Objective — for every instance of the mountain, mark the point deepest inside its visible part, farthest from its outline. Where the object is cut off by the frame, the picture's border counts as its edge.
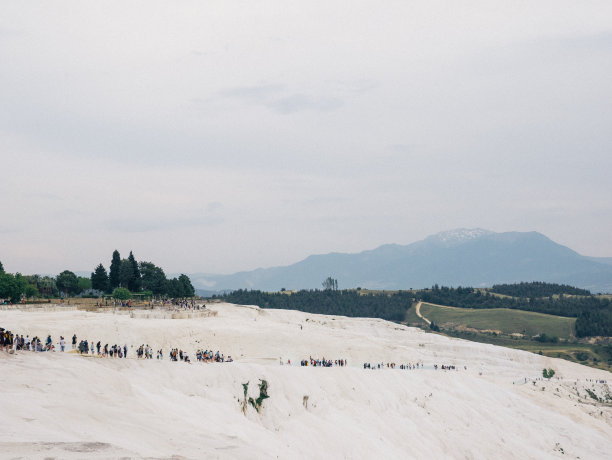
(462, 257)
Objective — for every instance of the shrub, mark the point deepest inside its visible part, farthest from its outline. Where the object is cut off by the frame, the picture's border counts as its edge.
(548, 373)
(122, 294)
(256, 403)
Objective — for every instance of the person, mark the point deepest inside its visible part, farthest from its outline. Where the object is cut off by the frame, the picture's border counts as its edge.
(62, 343)
(125, 350)
(74, 339)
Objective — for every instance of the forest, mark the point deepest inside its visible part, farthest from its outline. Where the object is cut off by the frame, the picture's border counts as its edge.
(537, 289)
(391, 307)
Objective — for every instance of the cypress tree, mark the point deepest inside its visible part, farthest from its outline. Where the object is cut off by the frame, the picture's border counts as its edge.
(136, 280)
(115, 267)
(126, 274)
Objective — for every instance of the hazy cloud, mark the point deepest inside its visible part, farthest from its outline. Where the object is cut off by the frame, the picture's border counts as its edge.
(298, 102)
(325, 128)
(210, 215)
(259, 94)
(281, 100)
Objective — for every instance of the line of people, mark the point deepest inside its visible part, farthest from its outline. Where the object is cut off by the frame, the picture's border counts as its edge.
(113, 351)
(315, 362)
(409, 366)
(445, 367)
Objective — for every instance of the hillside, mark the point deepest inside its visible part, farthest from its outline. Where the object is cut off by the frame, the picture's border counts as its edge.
(500, 320)
(456, 258)
(492, 404)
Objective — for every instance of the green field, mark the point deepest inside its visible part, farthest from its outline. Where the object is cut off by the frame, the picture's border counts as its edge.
(503, 320)
(473, 324)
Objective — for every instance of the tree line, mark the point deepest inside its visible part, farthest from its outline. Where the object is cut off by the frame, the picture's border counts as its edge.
(391, 307)
(537, 289)
(14, 287)
(126, 274)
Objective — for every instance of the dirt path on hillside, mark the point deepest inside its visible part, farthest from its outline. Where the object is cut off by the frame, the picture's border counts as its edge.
(417, 310)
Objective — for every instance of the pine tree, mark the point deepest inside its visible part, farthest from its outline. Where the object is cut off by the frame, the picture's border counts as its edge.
(99, 279)
(136, 281)
(1, 267)
(115, 268)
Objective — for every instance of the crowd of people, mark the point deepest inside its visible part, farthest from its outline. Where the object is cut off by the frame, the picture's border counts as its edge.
(180, 304)
(144, 352)
(178, 355)
(8, 340)
(207, 356)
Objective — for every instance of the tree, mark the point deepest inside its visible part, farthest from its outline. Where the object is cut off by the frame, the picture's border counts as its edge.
(84, 283)
(67, 282)
(46, 286)
(135, 282)
(31, 291)
(153, 278)
(126, 273)
(330, 284)
(1, 267)
(99, 279)
(188, 290)
(174, 288)
(122, 294)
(10, 287)
(115, 267)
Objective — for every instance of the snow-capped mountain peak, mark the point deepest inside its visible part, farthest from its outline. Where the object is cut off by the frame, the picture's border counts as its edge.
(460, 235)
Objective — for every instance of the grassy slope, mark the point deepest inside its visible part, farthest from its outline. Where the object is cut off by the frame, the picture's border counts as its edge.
(599, 356)
(502, 319)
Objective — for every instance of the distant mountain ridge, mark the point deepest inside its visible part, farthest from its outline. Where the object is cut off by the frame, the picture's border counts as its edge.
(461, 257)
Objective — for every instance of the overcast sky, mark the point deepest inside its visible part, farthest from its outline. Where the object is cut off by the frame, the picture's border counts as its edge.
(224, 136)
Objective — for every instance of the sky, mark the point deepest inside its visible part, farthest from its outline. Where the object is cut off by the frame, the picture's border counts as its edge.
(217, 136)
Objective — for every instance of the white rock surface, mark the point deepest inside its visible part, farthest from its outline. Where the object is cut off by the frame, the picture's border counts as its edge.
(61, 405)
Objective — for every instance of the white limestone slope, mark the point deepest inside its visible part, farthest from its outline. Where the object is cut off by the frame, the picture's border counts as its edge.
(68, 406)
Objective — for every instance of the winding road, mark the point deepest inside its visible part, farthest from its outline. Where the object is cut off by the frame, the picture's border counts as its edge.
(417, 310)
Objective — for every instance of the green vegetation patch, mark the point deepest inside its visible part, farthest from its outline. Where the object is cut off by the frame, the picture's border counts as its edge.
(504, 320)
